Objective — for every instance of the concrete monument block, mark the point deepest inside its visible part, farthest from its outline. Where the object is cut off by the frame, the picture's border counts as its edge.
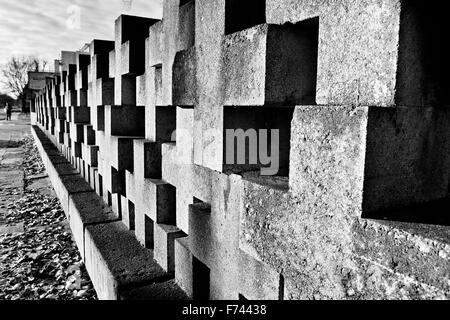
(164, 237)
(258, 281)
(121, 149)
(86, 209)
(357, 93)
(111, 270)
(79, 115)
(381, 155)
(155, 45)
(200, 242)
(184, 78)
(128, 213)
(186, 25)
(147, 159)
(271, 65)
(183, 265)
(130, 35)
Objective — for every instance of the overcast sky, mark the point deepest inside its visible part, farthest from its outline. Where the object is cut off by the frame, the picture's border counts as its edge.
(46, 27)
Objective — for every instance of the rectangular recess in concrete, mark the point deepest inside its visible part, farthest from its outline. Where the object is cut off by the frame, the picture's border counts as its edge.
(271, 65)
(125, 120)
(147, 159)
(423, 65)
(105, 91)
(118, 181)
(184, 83)
(249, 144)
(166, 204)
(89, 135)
(200, 280)
(128, 90)
(200, 231)
(166, 122)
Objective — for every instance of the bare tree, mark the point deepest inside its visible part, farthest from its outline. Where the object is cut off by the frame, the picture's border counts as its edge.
(15, 73)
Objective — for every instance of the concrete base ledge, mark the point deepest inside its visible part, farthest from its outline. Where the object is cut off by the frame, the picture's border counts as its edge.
(120, 268)
(85, 209)
(167, 290)
(116, 261)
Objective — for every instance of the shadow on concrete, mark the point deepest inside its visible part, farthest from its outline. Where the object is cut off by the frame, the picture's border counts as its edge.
(434, 213)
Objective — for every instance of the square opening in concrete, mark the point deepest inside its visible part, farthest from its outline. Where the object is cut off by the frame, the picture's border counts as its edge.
(71, 77)
(200, 280)
(271, 65)
(118, 181)
(291, 63)
(134, 28)
(166, 123)
(423, 65)
(240, 15)
(128, 90)
(166, 205)
(257, 138)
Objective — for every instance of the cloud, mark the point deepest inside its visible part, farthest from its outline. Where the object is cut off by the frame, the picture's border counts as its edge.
(45, 27)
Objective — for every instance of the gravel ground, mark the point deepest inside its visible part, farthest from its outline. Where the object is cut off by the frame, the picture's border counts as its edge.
(39, 259)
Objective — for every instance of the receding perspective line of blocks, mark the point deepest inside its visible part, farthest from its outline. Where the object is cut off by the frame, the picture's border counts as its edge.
(133, 133)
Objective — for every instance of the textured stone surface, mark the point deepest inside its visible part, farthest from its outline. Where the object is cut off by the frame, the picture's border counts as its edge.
(115, 260)
(357, 92)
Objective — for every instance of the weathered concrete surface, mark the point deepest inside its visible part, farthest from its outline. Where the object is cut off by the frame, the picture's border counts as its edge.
(339, 256)
(116, 261)
(271, 65)
(358, 47)
(164, 245)
(85, 209)
(183, 265)
(360, 160)
(363, 134)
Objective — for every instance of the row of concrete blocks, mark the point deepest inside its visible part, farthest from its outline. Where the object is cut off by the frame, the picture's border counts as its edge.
(118, 265)
(173, 251)
(392, 157)
(349, 121)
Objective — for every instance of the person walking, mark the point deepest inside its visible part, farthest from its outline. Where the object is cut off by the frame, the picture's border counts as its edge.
(8, 111)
